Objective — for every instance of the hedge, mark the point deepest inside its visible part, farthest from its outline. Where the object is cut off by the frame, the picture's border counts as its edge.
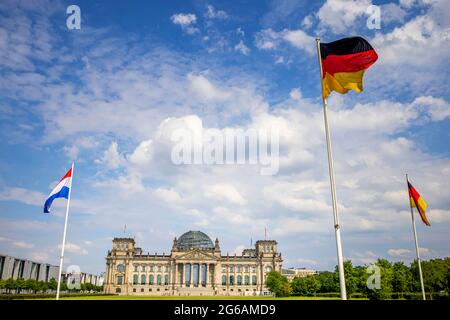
(21, 296)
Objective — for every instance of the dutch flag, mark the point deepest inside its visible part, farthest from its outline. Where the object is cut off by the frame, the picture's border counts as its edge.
(60, 191)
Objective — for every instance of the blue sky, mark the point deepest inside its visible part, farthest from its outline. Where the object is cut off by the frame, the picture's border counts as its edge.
(109, 95)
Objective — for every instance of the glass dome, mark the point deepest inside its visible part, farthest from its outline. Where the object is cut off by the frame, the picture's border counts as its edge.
(194, 239)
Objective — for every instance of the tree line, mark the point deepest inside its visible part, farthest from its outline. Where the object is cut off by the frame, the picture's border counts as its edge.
(35, 286)
(395, 281)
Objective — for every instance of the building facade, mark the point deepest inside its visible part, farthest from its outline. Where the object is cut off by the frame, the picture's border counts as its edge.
(292, 273)
(195, 266)
(16, 268)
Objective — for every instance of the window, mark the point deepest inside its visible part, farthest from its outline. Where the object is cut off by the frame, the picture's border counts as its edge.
(224, 280)
(224, 269)
(121, 268)
(151, 279)
(118, 290)
(239, 280)
(135, 279)
(268, 269)
(159, 279)
(143, 268)
(253, 269)
(253, 280)
(143, 279)
(246, 269)
(166, 279)
(135, 268)
(152, 268)
(246, 280)
(159, 268)
(119, 280)
(238, 268)
(167, 268)
(231, 280)
(231, 268)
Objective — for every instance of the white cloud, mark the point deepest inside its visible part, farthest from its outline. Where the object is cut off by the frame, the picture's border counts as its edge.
(74, 248)
(111, 158)
(212, 13)
(22, 195)
(142, 154)
(295, 94)
(242, 48)
(169, 195)
(269, 39)
(204, 88)
(183, 19)
(399, 253)
(225, 191)
(340, 15)
(299, 39)
(22, 245)
(186, 22)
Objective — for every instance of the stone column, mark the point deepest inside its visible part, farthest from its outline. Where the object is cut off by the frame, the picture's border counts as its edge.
(191, 275)
(206, 275)
(183, 274)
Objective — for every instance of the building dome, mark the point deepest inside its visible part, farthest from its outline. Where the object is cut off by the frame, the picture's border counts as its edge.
(194, 239)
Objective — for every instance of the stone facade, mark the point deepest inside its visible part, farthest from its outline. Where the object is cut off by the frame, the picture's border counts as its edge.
(129, 272)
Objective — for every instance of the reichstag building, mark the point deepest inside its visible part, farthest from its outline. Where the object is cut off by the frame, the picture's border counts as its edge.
(194, 267)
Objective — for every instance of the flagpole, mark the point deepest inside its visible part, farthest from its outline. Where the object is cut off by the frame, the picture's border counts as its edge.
(416, 242)
(64, 236)
(333, 186)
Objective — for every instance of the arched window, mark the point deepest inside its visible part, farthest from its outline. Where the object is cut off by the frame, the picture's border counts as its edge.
(224, 280)
(143, 279)
(246, 280)
(231, 280)
(253, 280)
(158, 279)
(268, 269)
(239, 280)
(152, 279)
(135, 279)
(166, 279)
(121, 268)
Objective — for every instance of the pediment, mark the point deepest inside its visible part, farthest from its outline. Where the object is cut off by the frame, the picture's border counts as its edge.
(196, 254)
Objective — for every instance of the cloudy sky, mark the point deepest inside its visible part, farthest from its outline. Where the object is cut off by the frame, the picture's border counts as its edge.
(109, 96)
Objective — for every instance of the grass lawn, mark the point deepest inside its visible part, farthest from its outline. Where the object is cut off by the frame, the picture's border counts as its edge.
(190, 298)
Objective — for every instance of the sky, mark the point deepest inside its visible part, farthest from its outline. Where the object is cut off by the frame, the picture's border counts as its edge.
(109, 95)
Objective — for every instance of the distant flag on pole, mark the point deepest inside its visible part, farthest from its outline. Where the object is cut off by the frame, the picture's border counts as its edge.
(60, 191)
(416, 201)
(344, 63)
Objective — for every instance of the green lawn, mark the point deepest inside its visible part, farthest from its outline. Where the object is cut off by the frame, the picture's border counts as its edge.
(191, 298)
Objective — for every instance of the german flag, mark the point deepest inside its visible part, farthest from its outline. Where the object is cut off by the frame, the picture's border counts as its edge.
(416, 201)
(343, 64)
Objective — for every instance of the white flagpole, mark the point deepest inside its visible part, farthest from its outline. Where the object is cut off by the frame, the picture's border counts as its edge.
(416, 242)
(333, 186)
(64, 237)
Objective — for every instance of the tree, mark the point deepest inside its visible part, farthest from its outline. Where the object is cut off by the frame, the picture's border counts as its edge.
(328, 282)
(385, 290)
(52, 284)
(401, 278)
(278, 284)
(305, 286)
(20, 285)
